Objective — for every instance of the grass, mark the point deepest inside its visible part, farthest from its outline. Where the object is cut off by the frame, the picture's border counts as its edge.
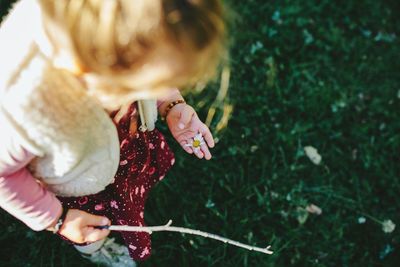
(320, 73)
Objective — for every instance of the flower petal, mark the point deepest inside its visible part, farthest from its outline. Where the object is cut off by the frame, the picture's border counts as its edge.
(313, 155)
(388, 226)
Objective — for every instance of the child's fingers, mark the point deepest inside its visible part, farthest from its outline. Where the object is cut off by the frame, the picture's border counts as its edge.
(93, 234)
(94, 220)
(186, 117)
(188, 149)
(207, 136)
(198, 153)
(206, 152)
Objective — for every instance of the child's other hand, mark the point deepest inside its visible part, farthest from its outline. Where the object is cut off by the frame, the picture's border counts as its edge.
(79, 227)
(184, 124)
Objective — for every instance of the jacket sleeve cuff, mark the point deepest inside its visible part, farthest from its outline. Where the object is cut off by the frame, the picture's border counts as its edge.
(24, 198)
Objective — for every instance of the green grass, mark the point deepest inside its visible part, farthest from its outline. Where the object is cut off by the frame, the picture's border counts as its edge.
(320, 73)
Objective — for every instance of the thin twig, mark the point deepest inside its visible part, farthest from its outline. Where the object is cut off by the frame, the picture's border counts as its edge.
(169, 228)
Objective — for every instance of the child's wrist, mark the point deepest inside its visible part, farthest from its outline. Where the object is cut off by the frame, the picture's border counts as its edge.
(170, 106)
(163, 102)
(160, 103)
(57, 224)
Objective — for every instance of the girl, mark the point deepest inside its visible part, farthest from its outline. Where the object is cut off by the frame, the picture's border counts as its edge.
(65, 164)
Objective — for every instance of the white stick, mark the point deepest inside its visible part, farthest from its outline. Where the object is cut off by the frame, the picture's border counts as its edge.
(169, 228)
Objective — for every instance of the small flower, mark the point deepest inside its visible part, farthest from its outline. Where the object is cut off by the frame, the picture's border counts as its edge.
(313, 155)
(388, 226)
(253, 148)
(196, 143)
(361, 220)
(314, 209)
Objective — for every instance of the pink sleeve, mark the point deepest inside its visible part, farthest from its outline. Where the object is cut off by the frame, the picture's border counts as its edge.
(20, 194)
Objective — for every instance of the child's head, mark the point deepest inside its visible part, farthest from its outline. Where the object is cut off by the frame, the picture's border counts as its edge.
(140, 44)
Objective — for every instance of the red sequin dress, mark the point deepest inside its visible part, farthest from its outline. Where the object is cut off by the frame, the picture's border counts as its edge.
(145, 158)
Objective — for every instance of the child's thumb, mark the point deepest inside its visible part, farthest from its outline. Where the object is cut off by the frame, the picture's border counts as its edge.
(186, 117)
(93, 234)
(94, 220)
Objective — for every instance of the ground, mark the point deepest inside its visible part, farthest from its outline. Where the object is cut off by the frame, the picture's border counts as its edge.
(302, 73)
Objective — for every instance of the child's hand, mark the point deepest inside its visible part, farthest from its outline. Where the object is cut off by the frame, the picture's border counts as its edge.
(184, 124)
(78, 227)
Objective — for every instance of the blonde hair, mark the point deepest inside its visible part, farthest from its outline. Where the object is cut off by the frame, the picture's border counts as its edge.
(116, 38)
